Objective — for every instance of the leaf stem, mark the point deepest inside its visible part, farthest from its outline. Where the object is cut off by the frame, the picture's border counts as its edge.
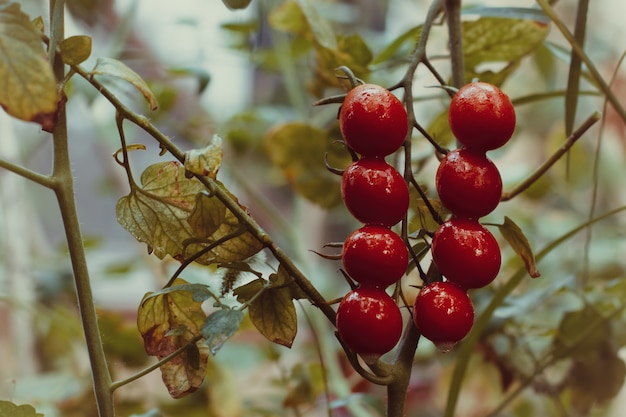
(523, 186)
(43, 180)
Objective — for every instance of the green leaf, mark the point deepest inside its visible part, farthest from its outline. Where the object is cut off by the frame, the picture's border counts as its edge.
(298, 150)
(199, 292)
(439, 130)
(588, 322)
(289, 17)
(493, 39)
(220, 326)
(272, 312)
(75, 49)
(321, 29)
(114, 68)
(205, 161)
(508, 12)
(518, 241)
(168, 322)
(28, 88)
(410, 36)
(9, 409)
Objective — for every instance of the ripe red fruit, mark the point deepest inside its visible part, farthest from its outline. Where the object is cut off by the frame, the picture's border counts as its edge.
(481, 116)
(468, 183)
(373, 121)
(443, 313)
(369, 322)
(374, 256)
(466, 253)
(375, 192)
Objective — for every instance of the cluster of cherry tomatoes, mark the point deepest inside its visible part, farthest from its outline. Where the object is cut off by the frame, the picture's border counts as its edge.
(482, 118)
(373, 124)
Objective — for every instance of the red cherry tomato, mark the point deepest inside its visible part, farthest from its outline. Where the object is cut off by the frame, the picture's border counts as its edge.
(466, 253)
(375, 192)
(374, 256)
(369, 322)
(468, 183)
(481, 116)
(373, 121)
(443, 313)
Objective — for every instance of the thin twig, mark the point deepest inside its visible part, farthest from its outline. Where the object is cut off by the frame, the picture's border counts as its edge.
(591, 120)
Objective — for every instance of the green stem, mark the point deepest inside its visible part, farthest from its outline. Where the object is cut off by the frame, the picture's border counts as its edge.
(606, 89)
(455, 40)
(63, 187)
(571, 140)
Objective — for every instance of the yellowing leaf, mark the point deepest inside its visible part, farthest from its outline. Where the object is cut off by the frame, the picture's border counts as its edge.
(75, 49)
(173, 215)
(205, 161)
(207, 216)
(114, 68)
(157, 212)
(168, 322)
(518, 241)
(9, 409)
(230, 243)
(28, 88)
(298, 150)
(271, 311)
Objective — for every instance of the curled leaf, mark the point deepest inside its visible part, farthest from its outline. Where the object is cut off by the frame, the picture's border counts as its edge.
(518, 241)
(205, 161)
(168, 322)
(114, 68)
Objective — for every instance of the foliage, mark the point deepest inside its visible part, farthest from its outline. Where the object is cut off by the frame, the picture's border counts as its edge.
(559, 336)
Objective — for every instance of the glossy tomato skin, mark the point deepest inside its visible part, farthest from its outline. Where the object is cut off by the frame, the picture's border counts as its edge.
(375, 256)
(369, 322)
(468, 183)
(374, 192)
(466, 253)
(373, 121)
(443, 313)
(481, 116)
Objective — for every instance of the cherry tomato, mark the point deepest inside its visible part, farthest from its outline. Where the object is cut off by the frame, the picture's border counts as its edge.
(481, 116)
(369, 322)
(375, 192)
(373, 121)
(443, 313)
(468, 183)
(374, 256)
(466, 253)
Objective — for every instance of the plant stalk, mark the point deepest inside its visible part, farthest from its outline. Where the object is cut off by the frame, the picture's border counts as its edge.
(62, 184)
